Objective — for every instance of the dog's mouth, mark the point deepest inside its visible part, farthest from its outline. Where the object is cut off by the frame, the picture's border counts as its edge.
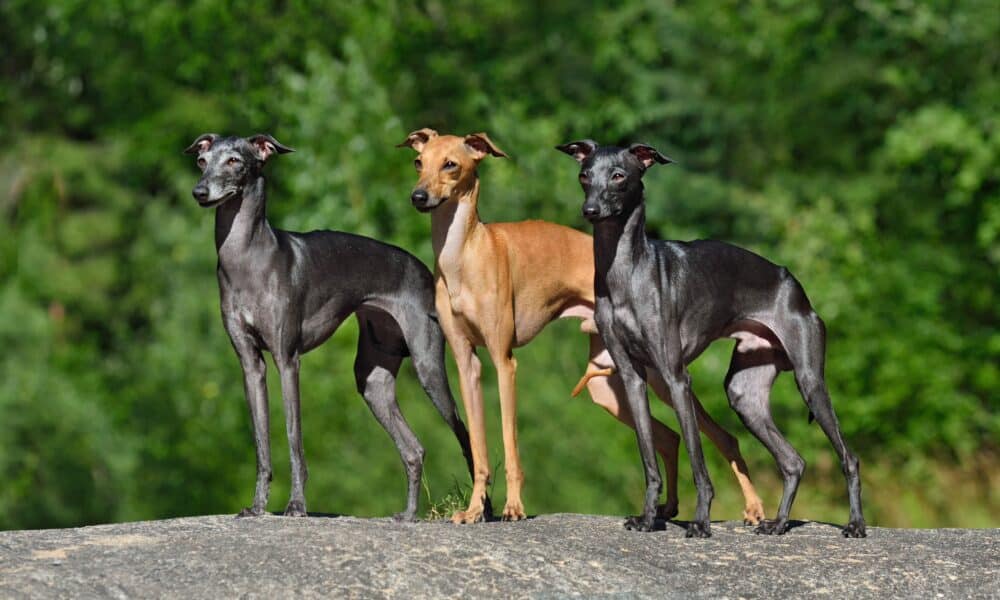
(603, 215)
(225, 197)
(598, 217)
(428, 207)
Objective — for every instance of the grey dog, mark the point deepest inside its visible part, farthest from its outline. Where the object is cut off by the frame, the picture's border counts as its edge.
(660, 304)
(288, 292)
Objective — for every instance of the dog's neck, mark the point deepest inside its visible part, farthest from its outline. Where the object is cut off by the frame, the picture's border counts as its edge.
(453, 225)
(242, 222)
(620, 241)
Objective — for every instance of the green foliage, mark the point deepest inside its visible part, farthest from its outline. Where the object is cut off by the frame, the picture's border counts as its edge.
(856, 143)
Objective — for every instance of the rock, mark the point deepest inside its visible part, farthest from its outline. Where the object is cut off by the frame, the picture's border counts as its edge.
(548, 556)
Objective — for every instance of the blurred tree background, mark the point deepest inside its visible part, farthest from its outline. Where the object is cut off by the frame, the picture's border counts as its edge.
(855, 142)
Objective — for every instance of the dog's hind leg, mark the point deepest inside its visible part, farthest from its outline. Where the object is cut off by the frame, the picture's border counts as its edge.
(806, 348)
(728, 445)
(748, 386)
(375, 372)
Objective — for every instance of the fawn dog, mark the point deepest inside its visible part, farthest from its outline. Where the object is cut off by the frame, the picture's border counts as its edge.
(498, 285)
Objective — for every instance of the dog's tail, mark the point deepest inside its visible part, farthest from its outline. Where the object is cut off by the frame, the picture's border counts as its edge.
(590, 374)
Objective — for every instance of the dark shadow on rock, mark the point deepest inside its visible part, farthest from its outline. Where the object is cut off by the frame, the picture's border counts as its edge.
(499, 519)
(489, 519)
(793, 524)
(321, 515)
(660, 524)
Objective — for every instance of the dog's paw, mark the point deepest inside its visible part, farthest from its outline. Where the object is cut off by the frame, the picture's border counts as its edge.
(768, 527)
(698, 529)
(405, 517)
(753, 513)
(855, 529)
(640, 523)
(513, 512)
(666, 511)
(295, 508)
(465, 517)
(251, 511)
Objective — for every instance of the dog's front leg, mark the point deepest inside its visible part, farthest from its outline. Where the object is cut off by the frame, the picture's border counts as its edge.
(609, 393)
(671, 368)
(638, 404)
(506, 365)
(470, 373)
(635, 389)
(288, 367)
(255, 388)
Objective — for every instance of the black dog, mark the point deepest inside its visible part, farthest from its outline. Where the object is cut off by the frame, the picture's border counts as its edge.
(287, 292)
(660, 304)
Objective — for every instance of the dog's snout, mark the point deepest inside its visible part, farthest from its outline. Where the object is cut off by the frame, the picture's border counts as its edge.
(419, 197)
(200, 193)
(591, 210)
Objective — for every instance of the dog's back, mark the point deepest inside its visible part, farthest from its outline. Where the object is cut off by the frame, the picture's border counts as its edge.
(358, 268)
(540, 252)
(719, 273)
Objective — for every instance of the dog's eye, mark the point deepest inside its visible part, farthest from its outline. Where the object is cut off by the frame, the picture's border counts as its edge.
(450, 164)
(419, 165)
(233, 161)
(584, 179)
(616, 177)
(202, 162)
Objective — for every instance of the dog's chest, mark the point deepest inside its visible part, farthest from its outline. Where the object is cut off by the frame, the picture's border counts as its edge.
(633, 313)
(466, 317)
(245, 308)
(631, 332)
(253, 309)
(623, 312)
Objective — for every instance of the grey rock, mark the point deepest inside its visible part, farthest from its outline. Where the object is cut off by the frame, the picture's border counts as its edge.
(551, 556)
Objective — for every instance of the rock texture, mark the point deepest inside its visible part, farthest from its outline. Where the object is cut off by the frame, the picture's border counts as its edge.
(548, 556)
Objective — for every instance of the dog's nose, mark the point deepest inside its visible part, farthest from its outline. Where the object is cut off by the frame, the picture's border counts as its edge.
(591, 210)
(200, 193)
(419, 197)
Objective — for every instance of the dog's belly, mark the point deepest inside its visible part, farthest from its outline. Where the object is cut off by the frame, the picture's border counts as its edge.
(318, 328)
(752, 336)
(528, 324)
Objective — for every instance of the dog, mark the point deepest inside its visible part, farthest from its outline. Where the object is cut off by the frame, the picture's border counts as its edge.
(660, 304)
(288, 292)
(498, 285)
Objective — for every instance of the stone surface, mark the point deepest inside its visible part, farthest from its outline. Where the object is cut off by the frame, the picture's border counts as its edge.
(548, 556)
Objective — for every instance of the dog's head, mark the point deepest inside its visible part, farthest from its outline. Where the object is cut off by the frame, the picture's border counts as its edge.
(228, 164)
(446, 165)
(611, 177)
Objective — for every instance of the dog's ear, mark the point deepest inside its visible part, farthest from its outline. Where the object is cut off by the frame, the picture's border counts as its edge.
(264, 146)
(579, 150)
(648, 155)
(203, 143)
(418, 139)
(479, 145)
